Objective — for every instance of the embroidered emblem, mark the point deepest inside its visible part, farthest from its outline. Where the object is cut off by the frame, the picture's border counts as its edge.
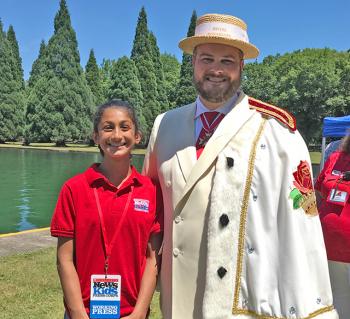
(141, 205)
(202, 141)
(303, 194)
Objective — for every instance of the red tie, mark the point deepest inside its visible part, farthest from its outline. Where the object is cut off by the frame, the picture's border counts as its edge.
(210, 121)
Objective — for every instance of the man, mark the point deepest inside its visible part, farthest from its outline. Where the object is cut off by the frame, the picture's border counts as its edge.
(241, 234)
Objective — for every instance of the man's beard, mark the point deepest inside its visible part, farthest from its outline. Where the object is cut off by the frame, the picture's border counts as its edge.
(217, 94)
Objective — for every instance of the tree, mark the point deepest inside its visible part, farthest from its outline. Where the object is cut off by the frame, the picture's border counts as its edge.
(171, 67)
(12, 100)
(105, 76)
(18, 70)
(159, 72)
(38, 67)
(60, 103)
(310, 83)
(186, 92)
(141, 54)
(259, 80)
(126, 86)
(93, 78)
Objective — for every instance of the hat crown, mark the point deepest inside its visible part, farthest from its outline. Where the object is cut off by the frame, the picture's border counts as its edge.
(214, 17)
(222, 26)
(225, 29)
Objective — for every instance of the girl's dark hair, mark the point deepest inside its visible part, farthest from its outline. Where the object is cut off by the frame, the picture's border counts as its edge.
(345, 145)
(116, 104)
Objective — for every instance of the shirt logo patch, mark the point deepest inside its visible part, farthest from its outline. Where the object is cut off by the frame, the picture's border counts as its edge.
(141, 205)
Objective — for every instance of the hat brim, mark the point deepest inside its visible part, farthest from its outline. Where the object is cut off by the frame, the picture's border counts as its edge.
(249, 50)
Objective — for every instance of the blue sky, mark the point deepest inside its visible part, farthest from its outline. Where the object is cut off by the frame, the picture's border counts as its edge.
(108, 26)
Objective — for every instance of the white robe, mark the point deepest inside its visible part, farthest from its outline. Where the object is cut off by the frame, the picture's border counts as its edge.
(273, 254)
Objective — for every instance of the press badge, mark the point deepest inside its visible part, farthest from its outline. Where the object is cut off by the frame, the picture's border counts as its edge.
(105, 296)
(338, 197)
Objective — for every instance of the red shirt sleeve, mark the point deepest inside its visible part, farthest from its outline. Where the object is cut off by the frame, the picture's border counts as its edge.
(158, 224)
(328, 166)
(63, 219)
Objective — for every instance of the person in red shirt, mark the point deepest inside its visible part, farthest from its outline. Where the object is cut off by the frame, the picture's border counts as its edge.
(108, 226)
(333, 186)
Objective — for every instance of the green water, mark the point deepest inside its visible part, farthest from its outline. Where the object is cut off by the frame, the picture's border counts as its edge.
(30, 183)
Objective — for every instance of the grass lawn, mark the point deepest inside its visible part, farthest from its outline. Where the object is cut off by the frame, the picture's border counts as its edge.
(315, 157)
(30, 287)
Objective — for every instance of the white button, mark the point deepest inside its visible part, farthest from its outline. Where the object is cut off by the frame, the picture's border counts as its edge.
(168, 183)
(178, 219)
(176, 252)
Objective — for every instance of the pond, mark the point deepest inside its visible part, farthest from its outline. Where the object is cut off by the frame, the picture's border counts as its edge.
(31, 181)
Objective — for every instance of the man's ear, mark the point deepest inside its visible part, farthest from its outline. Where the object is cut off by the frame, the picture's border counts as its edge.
(193, 58)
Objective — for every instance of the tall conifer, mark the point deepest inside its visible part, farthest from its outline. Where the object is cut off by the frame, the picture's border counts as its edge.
(93, 78)
(186, 92)
(60, 102)
(141, 54)
(171, 67)
(12, 100)
(159, 72)
(126, 86)
(105, 75)
(18, 70)
(39, 66)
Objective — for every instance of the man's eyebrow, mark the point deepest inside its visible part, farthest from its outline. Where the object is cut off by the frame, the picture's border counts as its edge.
(205, 54)
(230, 56)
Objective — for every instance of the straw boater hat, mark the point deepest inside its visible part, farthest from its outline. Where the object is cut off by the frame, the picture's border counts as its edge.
(221, 29)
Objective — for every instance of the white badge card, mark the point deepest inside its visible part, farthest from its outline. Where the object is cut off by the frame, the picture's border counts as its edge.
(338, 197)
(105, 296)
(337, 173)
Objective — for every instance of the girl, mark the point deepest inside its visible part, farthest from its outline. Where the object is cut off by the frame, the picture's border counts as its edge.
(107, 227)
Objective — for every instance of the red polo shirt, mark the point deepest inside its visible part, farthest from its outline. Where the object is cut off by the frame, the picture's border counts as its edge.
(76, 216)
(335, 218)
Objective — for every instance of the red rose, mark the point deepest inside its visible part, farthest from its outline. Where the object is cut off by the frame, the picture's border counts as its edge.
(302, 176)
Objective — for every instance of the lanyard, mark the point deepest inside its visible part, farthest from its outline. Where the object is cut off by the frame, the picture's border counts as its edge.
(108, 245)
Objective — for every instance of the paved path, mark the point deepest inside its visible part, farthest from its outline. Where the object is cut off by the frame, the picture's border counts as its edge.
(26, 241)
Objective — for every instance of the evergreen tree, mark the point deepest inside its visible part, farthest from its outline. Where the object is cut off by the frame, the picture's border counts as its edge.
(60, 103)
(142, 56)
(126, 86)
(93, 78)
(34, 96)
(12, 100)
(185, 91)
(171, 67)
(38, 67)
(159, 72)
(105, 75)
(18, 71)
